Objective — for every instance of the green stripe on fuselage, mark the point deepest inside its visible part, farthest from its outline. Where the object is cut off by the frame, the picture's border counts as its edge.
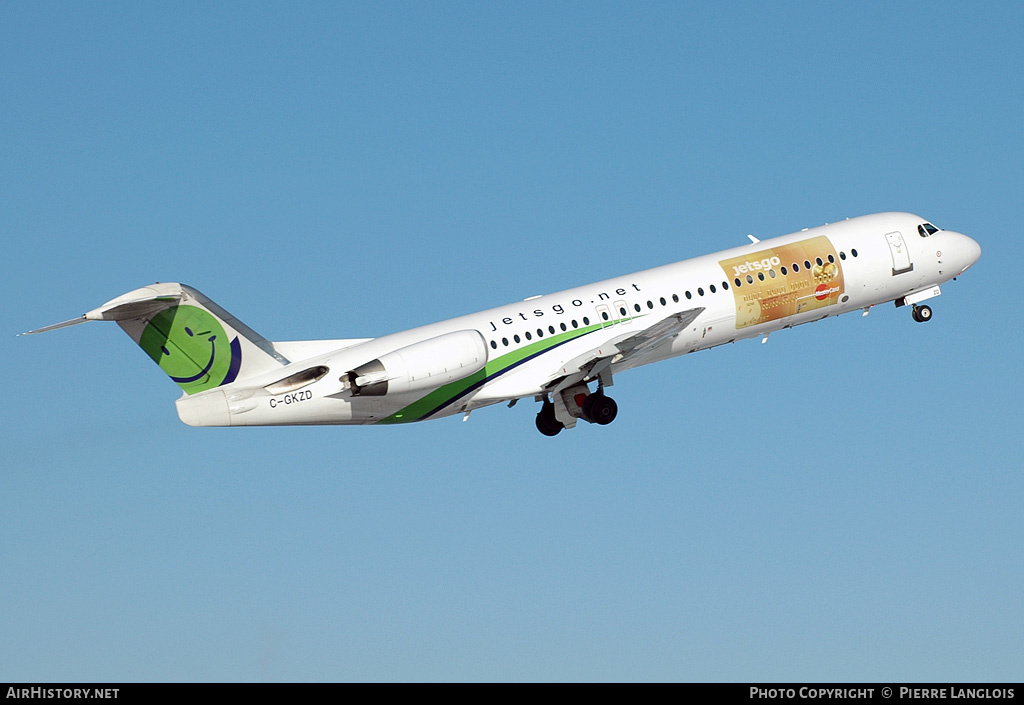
(442, 396)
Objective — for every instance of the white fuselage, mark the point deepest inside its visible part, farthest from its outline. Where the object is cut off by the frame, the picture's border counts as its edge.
(744, 292)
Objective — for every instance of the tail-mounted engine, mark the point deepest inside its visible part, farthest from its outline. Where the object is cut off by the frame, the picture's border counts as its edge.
(421, 366)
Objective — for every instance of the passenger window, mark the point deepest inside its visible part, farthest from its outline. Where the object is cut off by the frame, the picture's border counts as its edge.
(494, 345)
(712, 288)
(853, 252)
(663, 302)
(784, 272)
(675, 297)
(737, 281)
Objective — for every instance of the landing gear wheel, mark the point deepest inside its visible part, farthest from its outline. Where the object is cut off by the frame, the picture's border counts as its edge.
(546, 421)
(600, 409)
(921, 314)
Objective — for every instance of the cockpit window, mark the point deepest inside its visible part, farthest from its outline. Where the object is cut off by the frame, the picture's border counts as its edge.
(926, 229)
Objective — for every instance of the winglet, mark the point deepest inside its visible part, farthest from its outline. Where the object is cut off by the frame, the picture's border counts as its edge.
(753, 239)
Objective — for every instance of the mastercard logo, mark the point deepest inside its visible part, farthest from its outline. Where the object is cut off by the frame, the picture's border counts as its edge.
(823, 291)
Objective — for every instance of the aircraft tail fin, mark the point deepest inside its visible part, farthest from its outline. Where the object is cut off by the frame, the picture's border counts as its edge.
(197, 343)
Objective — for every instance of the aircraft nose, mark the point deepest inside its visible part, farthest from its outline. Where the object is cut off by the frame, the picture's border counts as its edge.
(968, 250)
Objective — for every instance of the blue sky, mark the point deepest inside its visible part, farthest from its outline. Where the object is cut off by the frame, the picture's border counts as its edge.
(842, 503)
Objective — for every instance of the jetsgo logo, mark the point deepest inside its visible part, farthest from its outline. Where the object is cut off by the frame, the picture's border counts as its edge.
(748, 266)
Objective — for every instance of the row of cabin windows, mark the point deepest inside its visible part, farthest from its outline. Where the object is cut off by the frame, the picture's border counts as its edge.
(675, 298)
(540, 332)
(638, 308)
(795, 267)
(711, 288)
(528, 335)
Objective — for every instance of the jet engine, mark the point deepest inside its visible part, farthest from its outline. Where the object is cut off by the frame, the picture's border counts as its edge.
(421, 366)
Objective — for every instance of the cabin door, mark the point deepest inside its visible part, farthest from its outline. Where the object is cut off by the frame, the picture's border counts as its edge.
(900, 254)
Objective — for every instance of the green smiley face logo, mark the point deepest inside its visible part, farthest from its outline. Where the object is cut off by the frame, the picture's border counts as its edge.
(190, 345)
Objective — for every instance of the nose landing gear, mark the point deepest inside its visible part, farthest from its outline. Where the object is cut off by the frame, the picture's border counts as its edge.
(921, 314)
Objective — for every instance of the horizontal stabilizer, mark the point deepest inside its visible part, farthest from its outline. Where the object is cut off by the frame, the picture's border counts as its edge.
(55, 326)
(121, 310)
(135, 304)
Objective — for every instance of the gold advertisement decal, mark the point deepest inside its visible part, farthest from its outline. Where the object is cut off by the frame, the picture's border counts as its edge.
(766, 294)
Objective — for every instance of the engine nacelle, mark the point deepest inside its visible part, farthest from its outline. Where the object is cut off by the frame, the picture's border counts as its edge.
(421, 366)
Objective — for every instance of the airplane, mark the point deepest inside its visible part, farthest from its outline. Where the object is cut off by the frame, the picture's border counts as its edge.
(564, 349)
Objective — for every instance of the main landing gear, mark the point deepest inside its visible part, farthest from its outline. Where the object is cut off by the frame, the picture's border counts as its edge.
(921, 314)
(594, 408)
(599, 409)
(546, 421)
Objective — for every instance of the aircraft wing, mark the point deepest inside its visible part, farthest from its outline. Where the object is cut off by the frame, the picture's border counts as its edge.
(597, 363)
(653, 336)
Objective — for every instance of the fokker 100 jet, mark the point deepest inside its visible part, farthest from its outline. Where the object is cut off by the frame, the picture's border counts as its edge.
(564, 350)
